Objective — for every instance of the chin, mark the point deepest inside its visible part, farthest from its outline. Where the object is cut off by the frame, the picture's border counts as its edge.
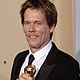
(35, 46)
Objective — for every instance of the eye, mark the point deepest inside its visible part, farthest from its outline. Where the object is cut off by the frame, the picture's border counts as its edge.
(26, 22)
(38, 23)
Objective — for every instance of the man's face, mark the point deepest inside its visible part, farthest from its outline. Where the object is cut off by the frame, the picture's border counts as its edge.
(36, 29)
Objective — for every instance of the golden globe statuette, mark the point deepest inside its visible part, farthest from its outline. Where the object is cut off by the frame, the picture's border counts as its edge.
(30, 69)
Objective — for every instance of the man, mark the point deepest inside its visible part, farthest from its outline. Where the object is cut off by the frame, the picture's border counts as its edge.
(39, 18)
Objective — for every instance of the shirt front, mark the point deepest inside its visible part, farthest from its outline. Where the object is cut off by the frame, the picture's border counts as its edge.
(39, 56)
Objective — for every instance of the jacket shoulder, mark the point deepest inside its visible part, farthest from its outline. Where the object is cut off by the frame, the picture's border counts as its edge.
(23, 53)
(60, 57)
(65, 59)
(20, 56)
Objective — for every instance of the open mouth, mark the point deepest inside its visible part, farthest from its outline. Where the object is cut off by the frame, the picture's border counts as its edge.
(33, 37)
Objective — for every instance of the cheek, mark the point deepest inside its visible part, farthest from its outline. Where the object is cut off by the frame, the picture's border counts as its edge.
(45, 31)
(38, 28)
(47, 34)
(25, 29)
(44, 34)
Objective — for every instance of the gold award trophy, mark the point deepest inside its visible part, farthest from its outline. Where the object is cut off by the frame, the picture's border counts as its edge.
(30, 69)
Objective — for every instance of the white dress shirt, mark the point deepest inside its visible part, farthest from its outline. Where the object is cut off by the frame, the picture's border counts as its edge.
(39, 56)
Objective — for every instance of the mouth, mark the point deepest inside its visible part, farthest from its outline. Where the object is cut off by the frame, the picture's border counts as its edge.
(33, 37)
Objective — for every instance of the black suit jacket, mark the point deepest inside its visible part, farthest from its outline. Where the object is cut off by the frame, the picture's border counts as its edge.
(57, 66)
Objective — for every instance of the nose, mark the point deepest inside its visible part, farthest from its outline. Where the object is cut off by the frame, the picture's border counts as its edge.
(32, 28)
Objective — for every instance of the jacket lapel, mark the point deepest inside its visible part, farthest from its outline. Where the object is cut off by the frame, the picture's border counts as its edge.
(45, 71)
(48, 65)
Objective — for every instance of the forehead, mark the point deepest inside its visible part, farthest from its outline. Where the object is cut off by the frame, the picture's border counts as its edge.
(34, 13)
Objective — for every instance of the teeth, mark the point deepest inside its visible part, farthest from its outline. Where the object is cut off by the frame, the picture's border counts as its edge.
(33, 36)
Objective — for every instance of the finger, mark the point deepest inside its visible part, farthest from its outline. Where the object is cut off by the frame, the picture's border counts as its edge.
(22, 78)
(26, 76)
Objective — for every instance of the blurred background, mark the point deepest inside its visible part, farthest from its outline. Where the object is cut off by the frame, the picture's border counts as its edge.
(12, 39)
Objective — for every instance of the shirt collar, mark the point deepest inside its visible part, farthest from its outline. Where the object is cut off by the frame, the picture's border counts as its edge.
(42, 52)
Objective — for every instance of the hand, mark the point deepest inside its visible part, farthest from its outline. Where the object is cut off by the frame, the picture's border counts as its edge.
(25, 77)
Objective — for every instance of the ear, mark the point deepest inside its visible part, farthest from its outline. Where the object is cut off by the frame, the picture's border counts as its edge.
(52, 28)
